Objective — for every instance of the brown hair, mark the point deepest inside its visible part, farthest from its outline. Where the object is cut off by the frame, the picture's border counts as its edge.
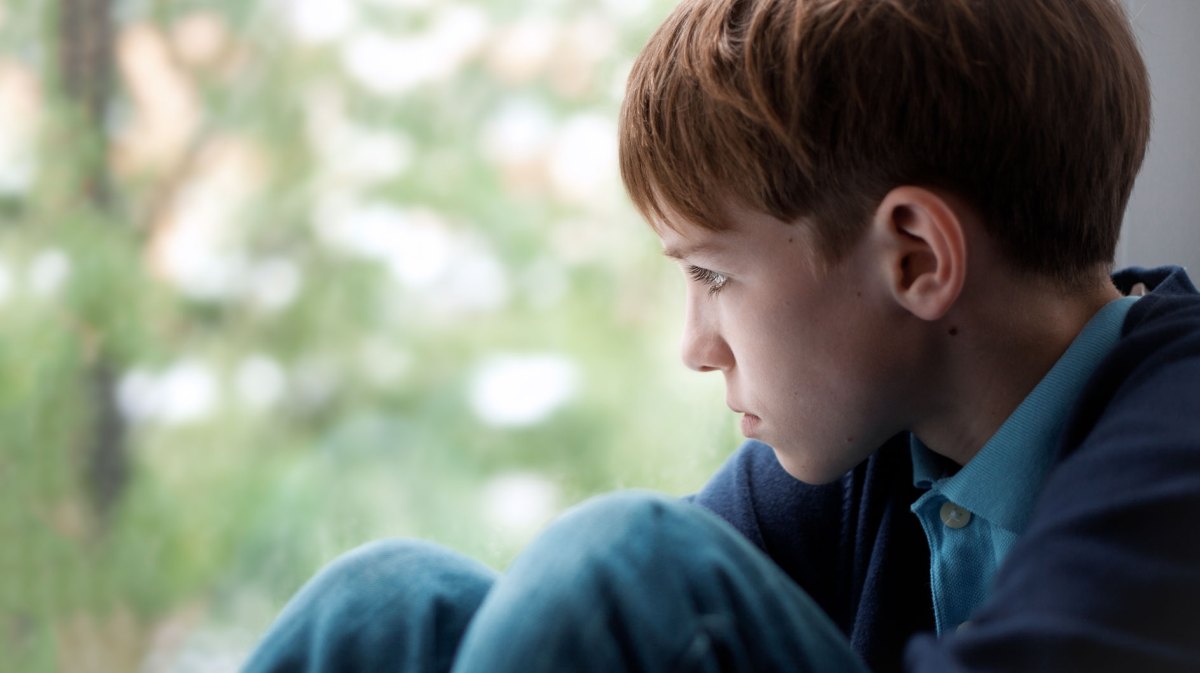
(1037, 112)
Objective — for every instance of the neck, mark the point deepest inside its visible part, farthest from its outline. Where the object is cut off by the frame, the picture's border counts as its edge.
(989, 360)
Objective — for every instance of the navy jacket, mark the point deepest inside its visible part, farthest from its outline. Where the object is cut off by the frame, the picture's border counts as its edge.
(1105, 578)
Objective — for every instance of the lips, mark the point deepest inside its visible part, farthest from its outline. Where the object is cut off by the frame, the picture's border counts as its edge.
(750, 424)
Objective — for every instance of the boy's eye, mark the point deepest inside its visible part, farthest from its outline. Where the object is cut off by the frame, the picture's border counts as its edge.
(711, 279)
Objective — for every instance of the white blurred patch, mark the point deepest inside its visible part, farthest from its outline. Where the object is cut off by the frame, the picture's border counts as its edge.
(183, 643)
(20, 116)
(274, 283)
(415, 244)
(522, 50)
(6, 282)
(188, 393)
(449, 272)
(260, 382)
(583, 161)
(349, 153)
(382, 363)
(620, 79)
(625, 9)
(520, 390)
(370, 154)
(545, 283)
(389, 65)
(588, 41)
(520, 131)
(196, 244)
(580, 241)
(48, 272)
(419, 250)
(200, 271)
(519, 503)
(316, 380)
(476, 282)
(402, 4)
(316, 22)
(137, 395)
(185, 393)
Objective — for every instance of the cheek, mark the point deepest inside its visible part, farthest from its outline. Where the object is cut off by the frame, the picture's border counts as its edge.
(828, 373)
(797, 372)
(807, 341)
(777, 350)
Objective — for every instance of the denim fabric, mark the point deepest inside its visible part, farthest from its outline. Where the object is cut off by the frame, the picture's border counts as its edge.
(625, 582)
(391, 605)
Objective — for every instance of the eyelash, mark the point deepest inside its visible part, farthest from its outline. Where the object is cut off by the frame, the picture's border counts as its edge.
(711, 279)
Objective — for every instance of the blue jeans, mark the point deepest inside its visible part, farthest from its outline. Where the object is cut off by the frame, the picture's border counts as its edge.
(624, 582)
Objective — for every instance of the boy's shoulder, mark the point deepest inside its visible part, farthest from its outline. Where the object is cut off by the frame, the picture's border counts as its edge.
(1108, 547)
(1153, 372)
(1162, 281)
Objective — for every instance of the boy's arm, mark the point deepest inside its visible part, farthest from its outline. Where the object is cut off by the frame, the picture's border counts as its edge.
(1107, 576)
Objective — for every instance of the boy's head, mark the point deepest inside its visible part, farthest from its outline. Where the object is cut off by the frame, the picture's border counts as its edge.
(1035, 112)
(824, 170)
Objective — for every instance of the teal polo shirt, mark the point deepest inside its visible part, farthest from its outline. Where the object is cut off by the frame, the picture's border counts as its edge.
(973, 517)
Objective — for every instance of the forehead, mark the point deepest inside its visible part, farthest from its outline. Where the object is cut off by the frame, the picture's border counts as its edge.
(678, 246)
(680, 234)
(739, 228)
(687, 241)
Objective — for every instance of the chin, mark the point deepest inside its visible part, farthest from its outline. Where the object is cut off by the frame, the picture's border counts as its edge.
(809, 471)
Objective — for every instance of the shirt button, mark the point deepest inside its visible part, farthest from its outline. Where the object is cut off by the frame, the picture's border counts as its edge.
(954, 516)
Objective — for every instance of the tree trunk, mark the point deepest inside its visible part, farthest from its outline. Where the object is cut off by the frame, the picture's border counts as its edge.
(86, 66)
(85, 61)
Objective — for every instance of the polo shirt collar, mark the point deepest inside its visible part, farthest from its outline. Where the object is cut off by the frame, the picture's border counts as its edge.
(1002, 481)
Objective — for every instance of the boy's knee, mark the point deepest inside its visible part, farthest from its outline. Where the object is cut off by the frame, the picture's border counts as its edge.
(618, 532)
(396, 572)
(381, 561)
(382, 556)
(630, 561)
(626, 515)
(384, 602)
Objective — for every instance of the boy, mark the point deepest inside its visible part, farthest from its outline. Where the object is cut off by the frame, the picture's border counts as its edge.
(969, 450)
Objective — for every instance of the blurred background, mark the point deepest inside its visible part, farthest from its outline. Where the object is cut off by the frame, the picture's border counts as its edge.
(281, 277)
(278, 277)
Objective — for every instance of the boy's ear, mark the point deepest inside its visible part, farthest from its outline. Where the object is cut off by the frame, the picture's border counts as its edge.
(924, 250)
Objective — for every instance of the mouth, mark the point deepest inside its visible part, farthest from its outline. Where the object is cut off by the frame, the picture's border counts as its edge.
(750, 424)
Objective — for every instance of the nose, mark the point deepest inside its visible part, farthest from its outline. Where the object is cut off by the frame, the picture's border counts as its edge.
(703, 348)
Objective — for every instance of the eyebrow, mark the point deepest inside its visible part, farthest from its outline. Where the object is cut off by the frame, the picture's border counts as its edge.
(687, 250)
